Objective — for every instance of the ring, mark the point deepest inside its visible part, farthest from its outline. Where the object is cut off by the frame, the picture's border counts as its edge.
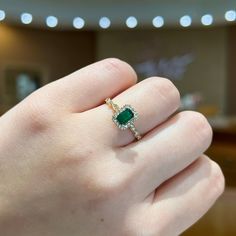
(124, 117)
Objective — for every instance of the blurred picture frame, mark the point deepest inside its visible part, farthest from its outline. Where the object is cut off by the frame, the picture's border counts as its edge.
(19, 81)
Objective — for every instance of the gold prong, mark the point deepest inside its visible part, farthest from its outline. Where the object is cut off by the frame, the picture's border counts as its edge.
(111, 104)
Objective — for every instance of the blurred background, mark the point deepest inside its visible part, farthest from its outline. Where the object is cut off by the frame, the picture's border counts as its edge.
(191, 42)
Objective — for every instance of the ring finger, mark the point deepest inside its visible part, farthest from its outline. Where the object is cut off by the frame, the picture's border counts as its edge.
(155, 99)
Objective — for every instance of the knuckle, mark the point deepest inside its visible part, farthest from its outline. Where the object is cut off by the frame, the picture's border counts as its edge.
(164, 88)
(218, 180)
(198, 120)
(200, 126)
(37, 113)
(131, 228)
(147, 228)
(138, 230)
(102, 190)
(114, 64)
(106, 185)
(120, 67)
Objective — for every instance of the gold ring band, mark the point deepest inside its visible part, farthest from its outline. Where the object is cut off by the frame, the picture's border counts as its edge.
(124, 117)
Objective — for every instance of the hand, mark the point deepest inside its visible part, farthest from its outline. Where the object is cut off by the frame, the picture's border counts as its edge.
(67, 170)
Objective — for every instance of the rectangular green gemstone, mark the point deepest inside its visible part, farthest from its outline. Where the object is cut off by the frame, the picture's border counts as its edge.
(125, 116)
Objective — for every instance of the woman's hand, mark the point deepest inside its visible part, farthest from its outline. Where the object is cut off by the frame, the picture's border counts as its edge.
(67, 170)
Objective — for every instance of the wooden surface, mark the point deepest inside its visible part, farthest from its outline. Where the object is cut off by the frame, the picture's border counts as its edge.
(220, 220)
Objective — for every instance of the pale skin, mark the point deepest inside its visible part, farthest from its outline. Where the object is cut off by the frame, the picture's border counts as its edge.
(67, 170)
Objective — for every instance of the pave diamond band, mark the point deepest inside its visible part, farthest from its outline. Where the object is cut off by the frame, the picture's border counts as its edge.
(124, 117)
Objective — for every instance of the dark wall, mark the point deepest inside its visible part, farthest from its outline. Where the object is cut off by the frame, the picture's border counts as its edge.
(231, 77)
(55, 53)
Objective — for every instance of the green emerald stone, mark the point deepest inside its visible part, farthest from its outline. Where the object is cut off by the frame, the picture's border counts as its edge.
(125, 116)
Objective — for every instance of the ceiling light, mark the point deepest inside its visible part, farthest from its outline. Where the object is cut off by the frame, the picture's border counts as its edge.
(185, 21)
(131, 22)
(104, 22)
(51, 21)
(2, 15)
(78, 23)
(158, 21)
(26, 18)
(230, 15)
(207, 19)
